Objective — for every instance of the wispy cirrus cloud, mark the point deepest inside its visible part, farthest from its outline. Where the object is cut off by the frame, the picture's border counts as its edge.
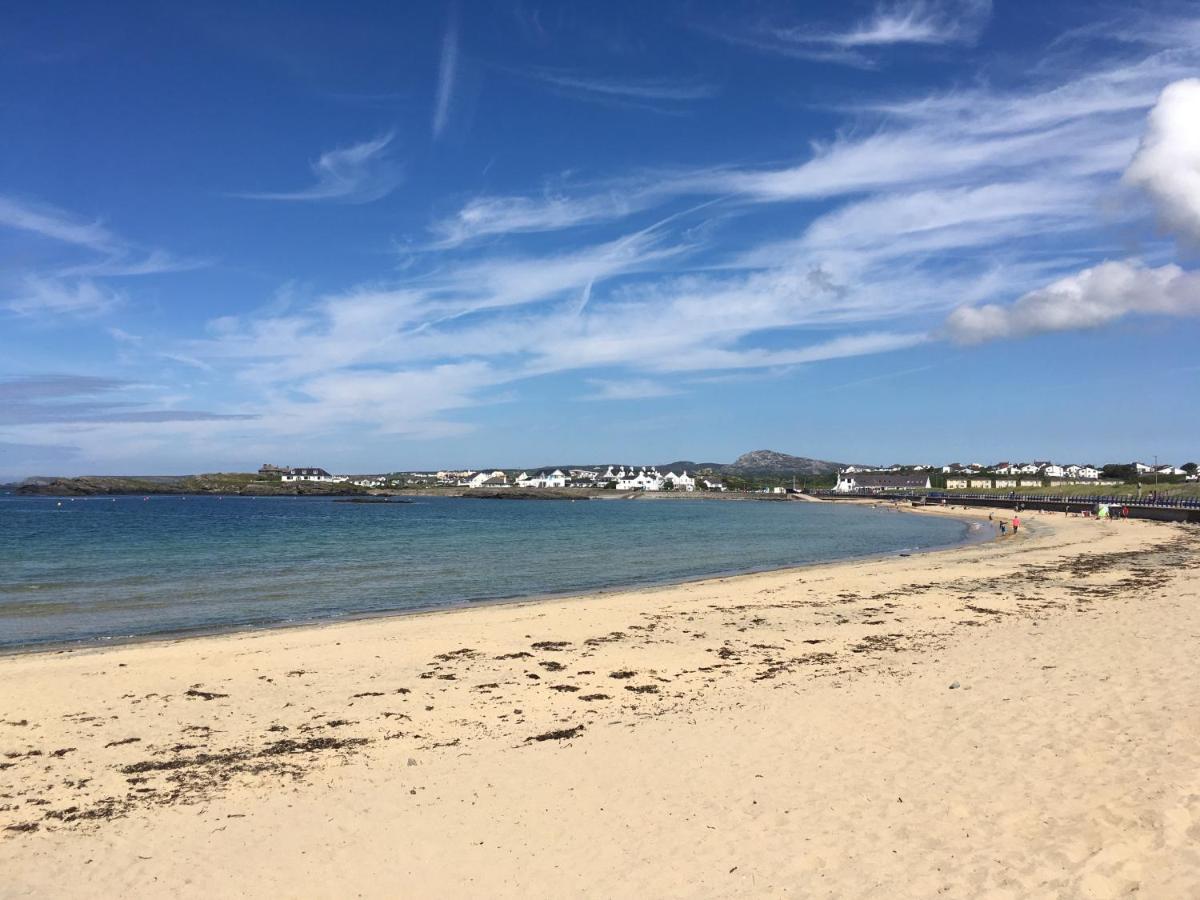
(447, 76)
(53, 297)
(359, 173)
(628, 389)
(75, 256)
(910, 22)
(56, 224)
(663, 95)
(65, 399)
(111, 254)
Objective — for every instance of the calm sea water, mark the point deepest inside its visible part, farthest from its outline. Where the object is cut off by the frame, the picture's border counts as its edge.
(102, 569)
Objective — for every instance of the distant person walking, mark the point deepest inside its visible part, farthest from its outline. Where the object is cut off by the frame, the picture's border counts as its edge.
(1003, 531)
(1016, 524)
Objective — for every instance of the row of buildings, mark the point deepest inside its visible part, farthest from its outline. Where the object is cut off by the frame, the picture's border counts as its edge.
(621, 478)
(317, 474)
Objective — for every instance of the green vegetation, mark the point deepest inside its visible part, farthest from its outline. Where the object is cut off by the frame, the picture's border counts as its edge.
(211, 483)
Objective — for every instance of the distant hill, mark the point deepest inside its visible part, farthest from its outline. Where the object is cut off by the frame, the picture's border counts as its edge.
(757, 463)
(771, 462)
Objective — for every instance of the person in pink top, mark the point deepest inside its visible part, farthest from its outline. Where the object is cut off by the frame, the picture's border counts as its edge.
(1016, 524)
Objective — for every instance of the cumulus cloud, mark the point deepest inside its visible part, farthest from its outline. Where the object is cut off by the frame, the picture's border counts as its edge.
(1167, 163)
(359, 173)
(1088, 299)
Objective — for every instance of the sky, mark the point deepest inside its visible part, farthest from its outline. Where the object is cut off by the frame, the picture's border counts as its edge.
(418, 236)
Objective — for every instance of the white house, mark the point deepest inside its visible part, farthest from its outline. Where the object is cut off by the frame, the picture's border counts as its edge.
(555, 479)
(1050, 470)
(1142, 469)
(308, 474)
(640, 480)
(874, 482)
(683, 482)
(1170, 470)
(1082, 472)
(490, 479)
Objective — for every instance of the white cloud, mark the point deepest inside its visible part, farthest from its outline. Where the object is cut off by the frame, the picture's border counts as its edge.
(669, 96)
(359, 173)
(51, 297)
(909, 22)
(1167, 163)
(56, 224)
(628, 389)
(447, 75)
(113, 254)
(1089, 299)
(495, 215)
(913, 22)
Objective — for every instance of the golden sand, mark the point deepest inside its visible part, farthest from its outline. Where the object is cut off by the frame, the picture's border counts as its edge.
(1014, 719)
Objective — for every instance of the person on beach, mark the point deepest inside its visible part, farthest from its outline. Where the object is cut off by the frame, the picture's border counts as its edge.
(1002, 529)
(1016, 524)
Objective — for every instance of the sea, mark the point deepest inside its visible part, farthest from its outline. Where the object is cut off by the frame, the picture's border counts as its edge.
(105, 569)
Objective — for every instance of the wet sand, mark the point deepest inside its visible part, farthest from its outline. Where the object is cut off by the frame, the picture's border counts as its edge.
(1010, 719)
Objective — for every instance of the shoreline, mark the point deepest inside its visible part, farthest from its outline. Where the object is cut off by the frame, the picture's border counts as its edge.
(173, 637)
(998, 719)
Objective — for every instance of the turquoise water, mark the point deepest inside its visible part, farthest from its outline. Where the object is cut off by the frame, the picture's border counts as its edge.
(104, 568)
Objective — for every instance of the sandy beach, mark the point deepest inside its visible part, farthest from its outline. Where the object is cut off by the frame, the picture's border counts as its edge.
(1017, 718)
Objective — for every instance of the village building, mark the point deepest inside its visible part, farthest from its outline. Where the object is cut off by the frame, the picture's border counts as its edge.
(488, 479)
(682, 482)
(876, 482)
(272, 471)
(555, 479)
(309, 474)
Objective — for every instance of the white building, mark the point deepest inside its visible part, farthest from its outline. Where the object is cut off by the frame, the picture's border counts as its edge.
(1142, 469)
(875, 482)
(555, 479)
(683, 482)
(1050, 470)
(639, 480)
(489, 479)
(309, 474)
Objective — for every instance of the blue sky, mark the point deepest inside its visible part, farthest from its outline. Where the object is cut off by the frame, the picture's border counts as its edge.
(510, 233)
